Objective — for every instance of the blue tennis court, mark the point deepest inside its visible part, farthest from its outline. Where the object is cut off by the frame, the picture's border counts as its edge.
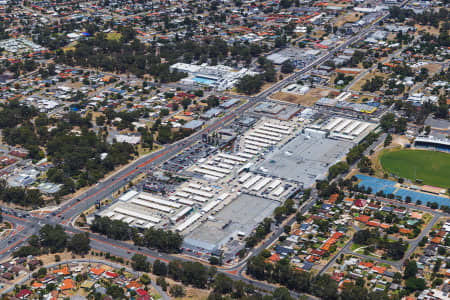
(376, 184)
(422, 197)
(388, 187)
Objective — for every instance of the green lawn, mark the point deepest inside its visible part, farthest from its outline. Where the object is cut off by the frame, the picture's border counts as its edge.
(432, 167)
(355, 246)
(114, 36)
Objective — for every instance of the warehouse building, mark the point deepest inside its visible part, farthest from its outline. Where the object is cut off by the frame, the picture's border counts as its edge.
(304, 159)
(235, 221)
(348, 129)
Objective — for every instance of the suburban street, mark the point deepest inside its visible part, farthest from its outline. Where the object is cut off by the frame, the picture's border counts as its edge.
(25, 225)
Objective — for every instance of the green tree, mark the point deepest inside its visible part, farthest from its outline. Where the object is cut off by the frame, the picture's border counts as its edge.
(388, 140)
(115, 291)
(354, 292)
(287, 67)
(250, 84)
(223, 284)
(177, 291)
(387, 122)
(282, 293)
(364, 164)
(54, 238)
(139, 263)
(325, 287)
(80, 243)
(159, 268)
(410, 269)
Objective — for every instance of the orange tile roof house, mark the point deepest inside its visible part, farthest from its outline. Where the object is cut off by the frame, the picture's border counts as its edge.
(274, 258)
(363, 219)
(373, 223)
(37, 285)
(349, 200)
(379, 270)
(366, 264)
(333, 198)
(67, 284)
(133, 285)
(97, 272)
(337, 235)
(325, 247)
(385, 226)
(63, 271)
(436, 240)
(405, 230)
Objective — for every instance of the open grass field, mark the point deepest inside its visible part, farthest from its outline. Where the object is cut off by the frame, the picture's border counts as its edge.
(432, 167)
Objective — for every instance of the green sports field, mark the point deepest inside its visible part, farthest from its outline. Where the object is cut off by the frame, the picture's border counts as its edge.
(432, 167)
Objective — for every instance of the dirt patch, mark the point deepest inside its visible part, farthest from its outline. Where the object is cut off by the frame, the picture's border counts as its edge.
(432, 68)
(429, 29)
(307, 99)
(348, 18)
(400, 140)
(358, 85)
(318, 34)
(195, 294)
(50, 258)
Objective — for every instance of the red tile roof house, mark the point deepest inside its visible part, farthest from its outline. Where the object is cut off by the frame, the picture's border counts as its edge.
(141, 292)
(8, 275)
(110, 275)
(373, 223)
(361, 203)
(373, 205)
(24, 294)
(337, 276)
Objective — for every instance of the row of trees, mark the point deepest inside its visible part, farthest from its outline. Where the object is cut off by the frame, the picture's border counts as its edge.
(390, 124)
(54, 240)
(20, 67)
(200, 276)
(323, 287)
(355, 153)
(166, 241)
(189, 273)
(19, 195)
(252, 84)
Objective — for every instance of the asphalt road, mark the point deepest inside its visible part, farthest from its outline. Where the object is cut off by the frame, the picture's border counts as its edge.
(72, 208)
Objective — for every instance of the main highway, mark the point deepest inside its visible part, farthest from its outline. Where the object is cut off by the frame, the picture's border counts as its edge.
(27, 225)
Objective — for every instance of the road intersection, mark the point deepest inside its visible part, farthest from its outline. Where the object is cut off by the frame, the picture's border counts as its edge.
(68, 211)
